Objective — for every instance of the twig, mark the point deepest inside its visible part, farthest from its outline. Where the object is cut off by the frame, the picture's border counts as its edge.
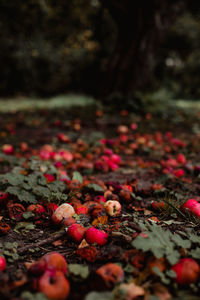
(50, 239)
(120, 235)
(175, 208)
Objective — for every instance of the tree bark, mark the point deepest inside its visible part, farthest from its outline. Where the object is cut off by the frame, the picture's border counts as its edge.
(141, 25)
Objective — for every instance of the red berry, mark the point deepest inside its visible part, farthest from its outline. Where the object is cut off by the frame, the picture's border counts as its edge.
(158, 205)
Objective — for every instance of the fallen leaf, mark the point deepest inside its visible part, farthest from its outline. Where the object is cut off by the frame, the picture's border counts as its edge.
(57, 243)
(100, 220)
(83, 244)
(161, 291)
(131, 290)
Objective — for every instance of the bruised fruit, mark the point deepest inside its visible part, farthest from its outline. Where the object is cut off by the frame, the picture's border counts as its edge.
(54, 285)
(81, 210)
(76, 232)
(125, 194)
(189, 204)
(192, 206)
(156, 263)
(50, 261)
(51, 208)
(94, 235)
(62, 212)
(15, 210)
(68, 221)
(112, 208)
(36, 209)
(187, 271)
(3, 196)
(7, 149)
(55, 260)
(100, 199)
(111, 274)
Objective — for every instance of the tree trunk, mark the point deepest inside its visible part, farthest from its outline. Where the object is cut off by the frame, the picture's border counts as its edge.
(141, 26)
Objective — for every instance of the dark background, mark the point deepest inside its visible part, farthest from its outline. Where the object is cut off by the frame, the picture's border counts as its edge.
(101, 48)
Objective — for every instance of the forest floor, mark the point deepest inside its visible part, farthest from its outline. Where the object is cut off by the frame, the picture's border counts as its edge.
(147, 162)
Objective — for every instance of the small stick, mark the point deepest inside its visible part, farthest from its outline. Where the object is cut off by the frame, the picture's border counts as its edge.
(48, 240)
(120, 235)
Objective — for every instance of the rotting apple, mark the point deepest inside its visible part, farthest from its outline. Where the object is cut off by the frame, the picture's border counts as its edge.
(50, 261)
(2, 263)
(7, 149)
(36, 209)
(94, 235)
(192, 206)
(62, 212)
(54, 285)
(112, 208)
(76, 232)
(187, 271)
(111, 274)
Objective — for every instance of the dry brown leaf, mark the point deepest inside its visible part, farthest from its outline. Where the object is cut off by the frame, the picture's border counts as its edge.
(57, 243)
(18, 283)
(131, 290)
(147, 212)
(155, 219)
(83, 244)
(161, 292)
(100, 220)
(28, 264)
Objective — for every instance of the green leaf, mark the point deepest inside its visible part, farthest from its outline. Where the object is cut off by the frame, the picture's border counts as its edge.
(99, 296)
(159, 242)
(15, 256)
(129, 268)
(42, 180)
(79, 270)
(30, 226)
(173, 257)
(195, 253)
(42, 191)
(77, 176)
(32, 179)
(161, 275)
(27, 197)
(95, 187)
(56, 186)
(181, 242)
(24, 226)
(8, 245)
(194, 238)
(170, 273)
(29, 296)
(21, 194)
(14, 179)
(27, 215)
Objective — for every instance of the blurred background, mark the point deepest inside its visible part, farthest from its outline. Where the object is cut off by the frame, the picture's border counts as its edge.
(108, 49)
